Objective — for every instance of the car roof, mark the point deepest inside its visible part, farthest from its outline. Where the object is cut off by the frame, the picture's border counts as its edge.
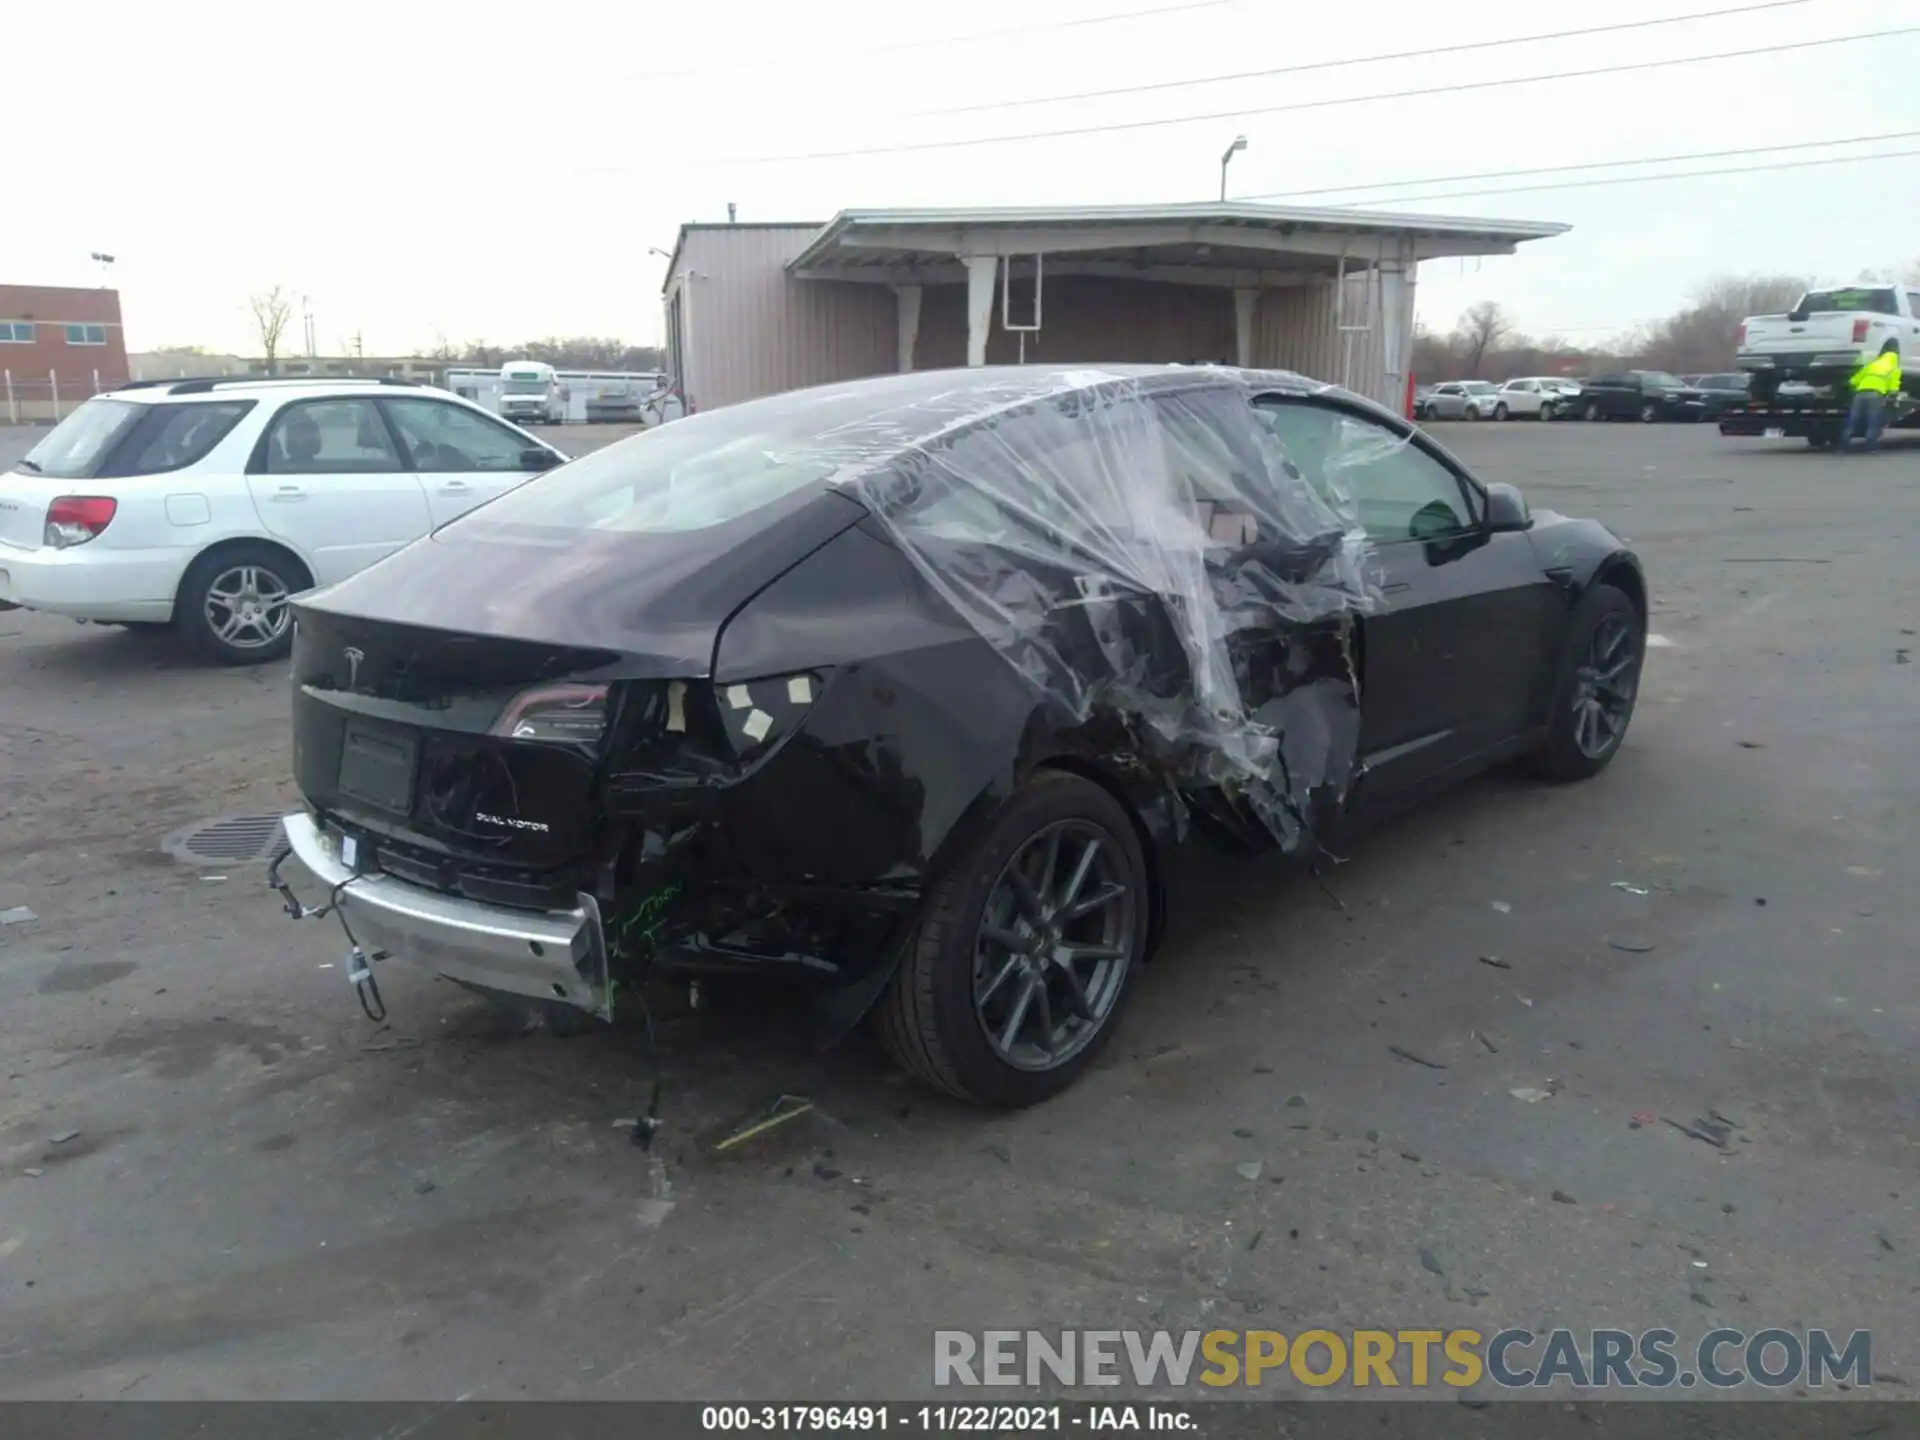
(153, 392)
(893, 413)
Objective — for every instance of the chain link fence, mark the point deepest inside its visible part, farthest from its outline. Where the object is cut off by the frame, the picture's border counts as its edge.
(47, 399)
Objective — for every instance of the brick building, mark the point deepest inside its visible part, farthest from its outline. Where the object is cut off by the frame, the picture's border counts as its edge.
(58, 345)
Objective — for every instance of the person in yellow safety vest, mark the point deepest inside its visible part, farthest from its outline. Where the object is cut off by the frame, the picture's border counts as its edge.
(1872, 384)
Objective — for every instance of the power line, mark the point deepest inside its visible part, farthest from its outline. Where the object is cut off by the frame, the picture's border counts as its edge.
(971, 37)
(1629, 179)
(1118, 127)
(1422, 54)
(1588, 165)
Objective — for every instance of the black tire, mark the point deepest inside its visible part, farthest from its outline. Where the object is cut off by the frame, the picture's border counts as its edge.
(1564, 757)
(931, 1019)
(192, 607)
(1500, 411)
(1592, 412)
(1649, 412)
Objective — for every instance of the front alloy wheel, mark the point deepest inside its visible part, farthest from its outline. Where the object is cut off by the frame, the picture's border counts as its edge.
(1024, 949)
(1599, 683)
(1649, 413)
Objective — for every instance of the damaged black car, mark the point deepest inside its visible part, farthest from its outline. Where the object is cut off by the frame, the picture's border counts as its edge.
(905, 686)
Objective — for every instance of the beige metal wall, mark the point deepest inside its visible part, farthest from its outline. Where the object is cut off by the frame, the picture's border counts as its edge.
(752, 330)
(1299, 329)
(1086, 319)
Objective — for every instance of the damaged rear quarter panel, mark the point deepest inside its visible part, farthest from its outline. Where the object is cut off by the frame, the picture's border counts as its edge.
(921, 723)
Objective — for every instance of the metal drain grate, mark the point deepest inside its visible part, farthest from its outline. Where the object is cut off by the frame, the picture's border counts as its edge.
(230, 840)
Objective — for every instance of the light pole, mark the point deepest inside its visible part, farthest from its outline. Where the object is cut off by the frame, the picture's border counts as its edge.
(1239, 144)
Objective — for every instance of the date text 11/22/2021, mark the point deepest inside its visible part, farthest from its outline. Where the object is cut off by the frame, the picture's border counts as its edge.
(944, 1419)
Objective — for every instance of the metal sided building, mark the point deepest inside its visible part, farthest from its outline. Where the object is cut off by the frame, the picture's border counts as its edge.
(756, 309)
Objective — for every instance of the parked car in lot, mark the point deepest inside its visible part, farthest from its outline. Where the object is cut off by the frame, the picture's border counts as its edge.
(1532, 397)
(1645, 395)
(1720, 393)
(208, 504)
(905, 686)
(1461, 400)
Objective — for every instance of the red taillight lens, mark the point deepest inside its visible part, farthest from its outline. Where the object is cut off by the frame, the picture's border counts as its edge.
(76, 519)
(1860, 329)
(1740, 335)
(562, 713)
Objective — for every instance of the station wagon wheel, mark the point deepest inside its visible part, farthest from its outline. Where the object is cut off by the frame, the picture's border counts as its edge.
(1024, 949)
(236, 604)
(1599, 684)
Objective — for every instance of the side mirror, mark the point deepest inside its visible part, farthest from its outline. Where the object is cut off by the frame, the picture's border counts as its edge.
(1507, 509)
(535, 457)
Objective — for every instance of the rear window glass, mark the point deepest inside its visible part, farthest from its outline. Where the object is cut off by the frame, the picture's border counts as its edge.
(698, 472)
(1876, 302)
(172, 437)
(75, 446)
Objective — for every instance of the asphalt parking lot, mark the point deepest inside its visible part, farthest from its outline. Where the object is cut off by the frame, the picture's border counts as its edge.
(218, 1180)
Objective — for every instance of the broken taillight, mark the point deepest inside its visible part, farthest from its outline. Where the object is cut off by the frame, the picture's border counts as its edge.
(76, 519)
(559, 714)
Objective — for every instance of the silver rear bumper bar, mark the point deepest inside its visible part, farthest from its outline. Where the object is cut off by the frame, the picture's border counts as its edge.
(560, 955)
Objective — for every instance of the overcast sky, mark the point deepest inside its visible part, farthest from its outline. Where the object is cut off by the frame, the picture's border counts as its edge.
(485, 171)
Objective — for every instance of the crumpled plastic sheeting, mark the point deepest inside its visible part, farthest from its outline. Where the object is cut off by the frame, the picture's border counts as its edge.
(1140, 545)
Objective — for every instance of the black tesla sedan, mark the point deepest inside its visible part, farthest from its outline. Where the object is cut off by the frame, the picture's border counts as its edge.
(906, 685)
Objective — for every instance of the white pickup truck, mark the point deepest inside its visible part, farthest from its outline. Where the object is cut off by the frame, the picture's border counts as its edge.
(1830, 334)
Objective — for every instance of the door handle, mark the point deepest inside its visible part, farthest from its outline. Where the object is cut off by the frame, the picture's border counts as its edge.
(455, 485)
(289, 492)
(1396, 588)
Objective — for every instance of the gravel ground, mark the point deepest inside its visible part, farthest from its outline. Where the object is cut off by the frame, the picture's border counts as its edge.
(264, 1195)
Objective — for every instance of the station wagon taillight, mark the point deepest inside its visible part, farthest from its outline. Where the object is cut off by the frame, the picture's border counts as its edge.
(75, 519)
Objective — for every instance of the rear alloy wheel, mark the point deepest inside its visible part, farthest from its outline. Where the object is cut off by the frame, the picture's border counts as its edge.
(1024, 949)
(1649, 413)
(1593, 410)
(1599, 683)
(236, 605)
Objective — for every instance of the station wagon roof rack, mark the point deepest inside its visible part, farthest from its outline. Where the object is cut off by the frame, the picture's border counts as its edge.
(201, 384)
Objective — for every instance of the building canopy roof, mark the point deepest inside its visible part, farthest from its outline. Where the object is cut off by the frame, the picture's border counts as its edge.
(1227, 243)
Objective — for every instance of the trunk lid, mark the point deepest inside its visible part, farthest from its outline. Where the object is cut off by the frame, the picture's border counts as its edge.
(469, 759)
(454, 704)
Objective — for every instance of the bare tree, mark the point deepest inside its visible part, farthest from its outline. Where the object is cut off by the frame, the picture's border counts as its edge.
(1705, 334)
(271, 311)
(1482, 328)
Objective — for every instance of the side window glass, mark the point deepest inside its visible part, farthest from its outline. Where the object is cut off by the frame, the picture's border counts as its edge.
(177, 436)
(1400, 491)
(443, 438)
(330, 437)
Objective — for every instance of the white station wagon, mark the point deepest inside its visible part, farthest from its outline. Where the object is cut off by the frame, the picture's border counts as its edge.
(207, 504)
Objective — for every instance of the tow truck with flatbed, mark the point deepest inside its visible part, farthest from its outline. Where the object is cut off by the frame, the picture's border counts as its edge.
(1814, 413)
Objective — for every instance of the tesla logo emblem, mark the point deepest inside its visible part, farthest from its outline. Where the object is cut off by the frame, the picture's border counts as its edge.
(354, 657)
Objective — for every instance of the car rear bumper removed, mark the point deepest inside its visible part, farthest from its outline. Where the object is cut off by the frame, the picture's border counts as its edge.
(555, 956)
